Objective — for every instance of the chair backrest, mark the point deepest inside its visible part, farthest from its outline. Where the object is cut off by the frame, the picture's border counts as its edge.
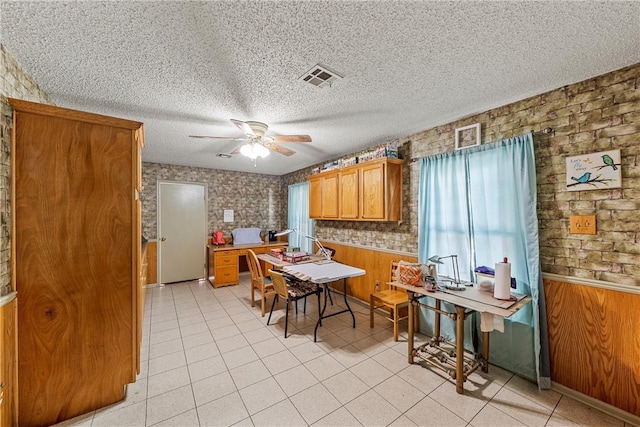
(392, 273)
(279, 283)
(331, 251)
(254, 266)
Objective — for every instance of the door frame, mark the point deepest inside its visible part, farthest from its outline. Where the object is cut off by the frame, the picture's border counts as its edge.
(160, 182)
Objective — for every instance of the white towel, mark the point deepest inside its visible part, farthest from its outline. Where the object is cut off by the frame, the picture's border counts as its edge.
(490, 322)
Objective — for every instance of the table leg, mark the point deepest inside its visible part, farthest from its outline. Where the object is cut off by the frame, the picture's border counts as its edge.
(344, 285)
(324, 307)
(412, 309)
(459, 349)
(321, 315)
(436, 323)
(485, 351)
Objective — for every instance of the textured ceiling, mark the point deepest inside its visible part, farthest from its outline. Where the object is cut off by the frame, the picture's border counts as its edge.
(186, 68)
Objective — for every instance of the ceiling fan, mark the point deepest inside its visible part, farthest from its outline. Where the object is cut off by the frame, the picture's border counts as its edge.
(257, 144)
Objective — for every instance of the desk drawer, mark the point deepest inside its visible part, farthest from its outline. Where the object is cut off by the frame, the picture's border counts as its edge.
(227, 275)
(225, 252)
(226, 260)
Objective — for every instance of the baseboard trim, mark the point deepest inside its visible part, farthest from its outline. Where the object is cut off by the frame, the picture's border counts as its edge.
(597, 404)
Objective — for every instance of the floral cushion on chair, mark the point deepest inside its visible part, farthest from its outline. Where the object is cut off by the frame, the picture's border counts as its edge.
(299, 288)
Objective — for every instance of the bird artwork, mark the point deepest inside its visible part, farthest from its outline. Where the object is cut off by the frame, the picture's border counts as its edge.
(594, 171)
(609, 162)
(584, 178)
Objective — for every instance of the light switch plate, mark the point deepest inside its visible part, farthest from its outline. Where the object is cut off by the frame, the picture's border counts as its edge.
(589, 224)
(582, 224)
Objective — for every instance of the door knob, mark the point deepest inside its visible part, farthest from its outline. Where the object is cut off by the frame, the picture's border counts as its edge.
(163, 239)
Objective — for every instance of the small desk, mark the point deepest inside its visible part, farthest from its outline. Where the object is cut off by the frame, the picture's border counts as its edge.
(224, 262)
(321, 272)
(465, 303)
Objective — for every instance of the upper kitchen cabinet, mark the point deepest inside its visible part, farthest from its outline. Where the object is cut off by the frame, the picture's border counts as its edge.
(370, 191)
(323, 195)
(76, 259)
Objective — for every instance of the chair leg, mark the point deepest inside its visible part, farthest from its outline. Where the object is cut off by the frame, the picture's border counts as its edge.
(286, 319)
(253, 296)
(275, 298)
(395, 323)
(263, 300)
(305, 305)
(371, 304)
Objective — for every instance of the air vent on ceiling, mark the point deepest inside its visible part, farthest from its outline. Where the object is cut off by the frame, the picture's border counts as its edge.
(224, 155)
(320, 76)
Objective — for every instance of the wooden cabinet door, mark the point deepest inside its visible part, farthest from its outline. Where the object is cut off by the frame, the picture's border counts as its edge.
(315, 197)
(330, 196)
(323, 196)
(372, 190)
(349, 193)
(8, 367)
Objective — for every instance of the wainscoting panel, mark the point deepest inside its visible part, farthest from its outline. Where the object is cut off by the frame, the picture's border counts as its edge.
(594, 341)
(375, 262)
(152, 259)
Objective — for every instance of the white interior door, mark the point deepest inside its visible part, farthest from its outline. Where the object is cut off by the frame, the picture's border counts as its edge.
(181, 231)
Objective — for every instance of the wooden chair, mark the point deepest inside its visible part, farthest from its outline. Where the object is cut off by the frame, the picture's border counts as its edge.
(259, 281)
(392, 299)
(291, 290)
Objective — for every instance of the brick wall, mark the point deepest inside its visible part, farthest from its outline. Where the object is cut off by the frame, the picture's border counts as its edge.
(254, 198)
(14, 83)
(602, 113)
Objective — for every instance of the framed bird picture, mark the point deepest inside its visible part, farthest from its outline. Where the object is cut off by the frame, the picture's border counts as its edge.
(595, 171)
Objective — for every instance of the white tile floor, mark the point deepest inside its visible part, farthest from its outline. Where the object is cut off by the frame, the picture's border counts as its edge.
(209, 359)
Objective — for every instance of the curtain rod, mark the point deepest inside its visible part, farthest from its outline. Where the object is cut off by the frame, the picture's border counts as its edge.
(544, 131)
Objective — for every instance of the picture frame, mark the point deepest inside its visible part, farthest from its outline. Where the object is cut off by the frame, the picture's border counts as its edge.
(467, 136)
(594, 171)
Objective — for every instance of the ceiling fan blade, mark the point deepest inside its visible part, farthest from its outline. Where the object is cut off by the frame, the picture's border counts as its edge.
(279, 149)
(291, 138)
(244, 127)
(222, 138)
(237, 150)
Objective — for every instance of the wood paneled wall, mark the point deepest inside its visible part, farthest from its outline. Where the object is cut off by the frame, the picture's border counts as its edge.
(375, 262)
(152, 260)
(594, 342)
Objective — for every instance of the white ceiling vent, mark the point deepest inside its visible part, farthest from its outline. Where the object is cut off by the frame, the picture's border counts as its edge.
(320, 76)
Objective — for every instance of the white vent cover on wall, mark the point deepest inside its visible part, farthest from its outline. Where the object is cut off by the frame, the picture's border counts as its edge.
(320, 76)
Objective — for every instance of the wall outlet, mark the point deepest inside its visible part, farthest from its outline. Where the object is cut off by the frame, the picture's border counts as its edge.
(582, 224)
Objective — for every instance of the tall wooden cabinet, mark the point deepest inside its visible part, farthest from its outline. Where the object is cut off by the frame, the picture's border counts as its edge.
(76, 259)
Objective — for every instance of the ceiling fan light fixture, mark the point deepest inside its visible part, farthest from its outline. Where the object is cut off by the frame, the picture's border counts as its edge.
(254, 150)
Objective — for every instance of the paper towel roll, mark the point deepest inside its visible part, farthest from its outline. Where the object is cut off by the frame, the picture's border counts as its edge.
(502, 285)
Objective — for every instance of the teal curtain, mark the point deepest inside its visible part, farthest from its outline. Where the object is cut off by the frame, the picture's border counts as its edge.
(494, 202)
(443, 229)
(298, 217)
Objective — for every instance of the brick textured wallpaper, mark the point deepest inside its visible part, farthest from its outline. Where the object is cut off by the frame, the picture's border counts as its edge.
(602, 113)
(14, 83)
(254, 198)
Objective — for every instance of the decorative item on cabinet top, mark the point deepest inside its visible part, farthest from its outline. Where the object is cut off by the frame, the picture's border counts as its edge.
(389, 150)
